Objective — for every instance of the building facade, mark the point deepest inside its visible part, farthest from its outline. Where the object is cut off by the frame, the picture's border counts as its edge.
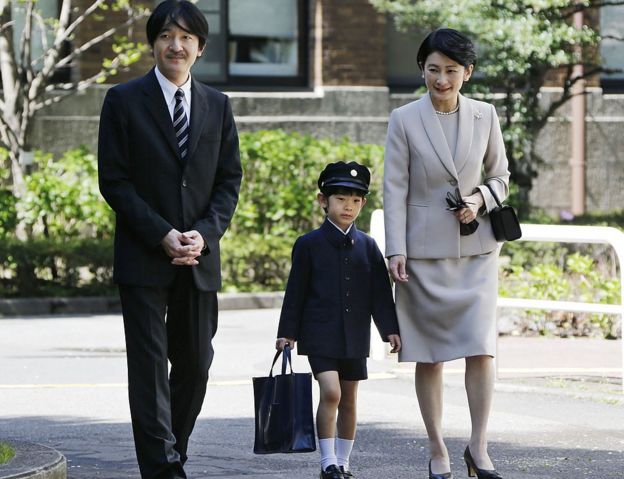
(337, 68)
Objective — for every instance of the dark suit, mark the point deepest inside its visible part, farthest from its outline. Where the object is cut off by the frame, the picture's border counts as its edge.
(336, 284)
(152, 191)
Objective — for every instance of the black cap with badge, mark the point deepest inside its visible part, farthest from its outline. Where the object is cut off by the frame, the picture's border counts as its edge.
(348, 175)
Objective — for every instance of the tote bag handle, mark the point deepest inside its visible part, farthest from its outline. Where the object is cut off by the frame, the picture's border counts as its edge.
(286, 360)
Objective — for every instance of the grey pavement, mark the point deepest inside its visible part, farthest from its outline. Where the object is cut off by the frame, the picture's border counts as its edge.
(558, 408)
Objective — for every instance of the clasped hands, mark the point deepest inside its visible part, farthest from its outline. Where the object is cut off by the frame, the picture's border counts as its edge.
(184, 248)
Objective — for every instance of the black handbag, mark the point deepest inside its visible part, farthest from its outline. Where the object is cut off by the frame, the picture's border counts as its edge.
(505, 224)
(283, 410)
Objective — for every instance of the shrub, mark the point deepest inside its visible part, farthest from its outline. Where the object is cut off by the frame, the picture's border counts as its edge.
(63, 198)
(547, 271)
(71, 250)
(56, 267)
(8, 212)
(278, 203)
(6, 452)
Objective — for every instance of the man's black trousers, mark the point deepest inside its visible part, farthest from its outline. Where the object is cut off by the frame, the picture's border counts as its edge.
(173, 324)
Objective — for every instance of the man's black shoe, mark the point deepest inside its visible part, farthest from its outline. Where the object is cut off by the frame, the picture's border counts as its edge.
(346, 473)
(332, 472)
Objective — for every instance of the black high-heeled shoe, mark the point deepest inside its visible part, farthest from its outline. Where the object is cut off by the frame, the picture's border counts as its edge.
(481, 473)
(446, 475)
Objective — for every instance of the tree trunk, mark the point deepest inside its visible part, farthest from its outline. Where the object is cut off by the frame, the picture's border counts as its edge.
(19, 191)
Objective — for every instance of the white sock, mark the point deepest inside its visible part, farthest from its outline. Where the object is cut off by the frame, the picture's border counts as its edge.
(343, 451)
(328, 454)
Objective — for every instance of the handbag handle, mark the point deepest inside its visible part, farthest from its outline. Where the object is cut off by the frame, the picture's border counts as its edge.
(494, 195)
(286, 359)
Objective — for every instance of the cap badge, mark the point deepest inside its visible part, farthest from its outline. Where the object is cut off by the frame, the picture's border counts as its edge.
(353, 173)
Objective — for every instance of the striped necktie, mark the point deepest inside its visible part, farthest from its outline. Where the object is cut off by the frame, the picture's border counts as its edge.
(180, 124)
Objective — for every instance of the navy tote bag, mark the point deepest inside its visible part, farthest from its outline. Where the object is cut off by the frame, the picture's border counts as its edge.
(283, 410)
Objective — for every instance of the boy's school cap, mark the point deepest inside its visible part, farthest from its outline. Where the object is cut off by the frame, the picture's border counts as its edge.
(351, 175)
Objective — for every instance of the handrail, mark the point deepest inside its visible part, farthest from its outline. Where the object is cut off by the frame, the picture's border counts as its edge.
(546, 233)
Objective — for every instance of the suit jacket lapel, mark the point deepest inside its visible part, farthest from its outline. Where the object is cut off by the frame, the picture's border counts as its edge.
(436, 136)
(199, 113)
(155, 103)
(465, 132)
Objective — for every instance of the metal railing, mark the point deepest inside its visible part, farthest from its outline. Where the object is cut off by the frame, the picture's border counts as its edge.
(544, 233)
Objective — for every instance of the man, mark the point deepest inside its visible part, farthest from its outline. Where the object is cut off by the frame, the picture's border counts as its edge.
(169, 167)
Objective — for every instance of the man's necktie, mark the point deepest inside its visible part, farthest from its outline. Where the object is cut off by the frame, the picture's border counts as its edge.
(180, 124)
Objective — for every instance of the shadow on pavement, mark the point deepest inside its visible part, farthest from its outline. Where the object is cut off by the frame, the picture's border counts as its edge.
(223, 448)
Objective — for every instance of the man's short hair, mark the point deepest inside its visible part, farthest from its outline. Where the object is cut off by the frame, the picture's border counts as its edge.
(171, 12)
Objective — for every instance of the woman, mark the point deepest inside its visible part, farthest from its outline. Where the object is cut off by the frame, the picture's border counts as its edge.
(446, 270)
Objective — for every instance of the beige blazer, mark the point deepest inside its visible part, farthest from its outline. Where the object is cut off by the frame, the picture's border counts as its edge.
(419, 171)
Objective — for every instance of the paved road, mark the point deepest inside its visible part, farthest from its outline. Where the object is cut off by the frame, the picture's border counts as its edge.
(558, 412)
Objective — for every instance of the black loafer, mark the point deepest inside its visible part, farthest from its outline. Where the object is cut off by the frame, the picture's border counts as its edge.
(332, 472)
(346, 473)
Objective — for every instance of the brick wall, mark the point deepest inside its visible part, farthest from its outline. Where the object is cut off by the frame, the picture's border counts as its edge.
(353, 44)
(91, 61)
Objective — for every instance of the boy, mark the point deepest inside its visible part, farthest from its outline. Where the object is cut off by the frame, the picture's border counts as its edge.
(337, 281)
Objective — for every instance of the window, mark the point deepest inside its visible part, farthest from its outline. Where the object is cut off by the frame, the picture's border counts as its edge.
(611, 21)
(48, 9)
(42, 34)
(403, 73)
(255, 42)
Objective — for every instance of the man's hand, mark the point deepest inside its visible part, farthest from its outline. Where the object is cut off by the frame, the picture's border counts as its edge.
(397, 268)
(195, 240)
(395, 342)
(183, 247)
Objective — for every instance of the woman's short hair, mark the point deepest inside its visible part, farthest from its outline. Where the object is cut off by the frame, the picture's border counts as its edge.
(453, 44)
(171, 12)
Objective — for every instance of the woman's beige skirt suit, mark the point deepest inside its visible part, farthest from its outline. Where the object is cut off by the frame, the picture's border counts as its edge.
(447, 309)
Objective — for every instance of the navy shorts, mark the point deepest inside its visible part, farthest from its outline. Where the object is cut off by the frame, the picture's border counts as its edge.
(348, 369)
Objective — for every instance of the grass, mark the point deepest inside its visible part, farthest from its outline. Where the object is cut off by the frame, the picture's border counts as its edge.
(6, 452)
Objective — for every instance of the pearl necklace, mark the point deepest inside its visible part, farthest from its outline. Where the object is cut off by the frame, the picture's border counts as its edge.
(448, 112)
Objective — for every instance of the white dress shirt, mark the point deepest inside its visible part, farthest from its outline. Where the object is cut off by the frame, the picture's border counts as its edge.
(169, 89)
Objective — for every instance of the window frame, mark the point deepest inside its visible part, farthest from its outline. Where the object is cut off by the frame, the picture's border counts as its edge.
(300, 79)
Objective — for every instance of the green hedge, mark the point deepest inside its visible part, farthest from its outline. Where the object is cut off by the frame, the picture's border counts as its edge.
(71, 226)
(52, 267)
(553, 272)
(62, 199)
(278, 203)
(71, 253)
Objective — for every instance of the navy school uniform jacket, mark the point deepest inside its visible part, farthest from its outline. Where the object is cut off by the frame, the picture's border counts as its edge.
(336, 283)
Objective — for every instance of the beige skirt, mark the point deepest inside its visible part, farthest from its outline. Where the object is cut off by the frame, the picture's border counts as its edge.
(447, 309)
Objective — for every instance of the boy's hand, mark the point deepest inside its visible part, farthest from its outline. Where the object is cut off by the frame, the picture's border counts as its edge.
(282, 342)
(395, 342)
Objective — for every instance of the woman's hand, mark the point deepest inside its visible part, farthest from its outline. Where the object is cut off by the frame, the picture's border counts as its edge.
(281, 343)
(475, 202)
(397, 268)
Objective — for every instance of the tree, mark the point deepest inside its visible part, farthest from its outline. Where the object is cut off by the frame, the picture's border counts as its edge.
(30, 61)
(520, 42)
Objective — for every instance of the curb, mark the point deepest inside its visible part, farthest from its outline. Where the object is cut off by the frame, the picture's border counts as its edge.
(111, 304)
(34, 461)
